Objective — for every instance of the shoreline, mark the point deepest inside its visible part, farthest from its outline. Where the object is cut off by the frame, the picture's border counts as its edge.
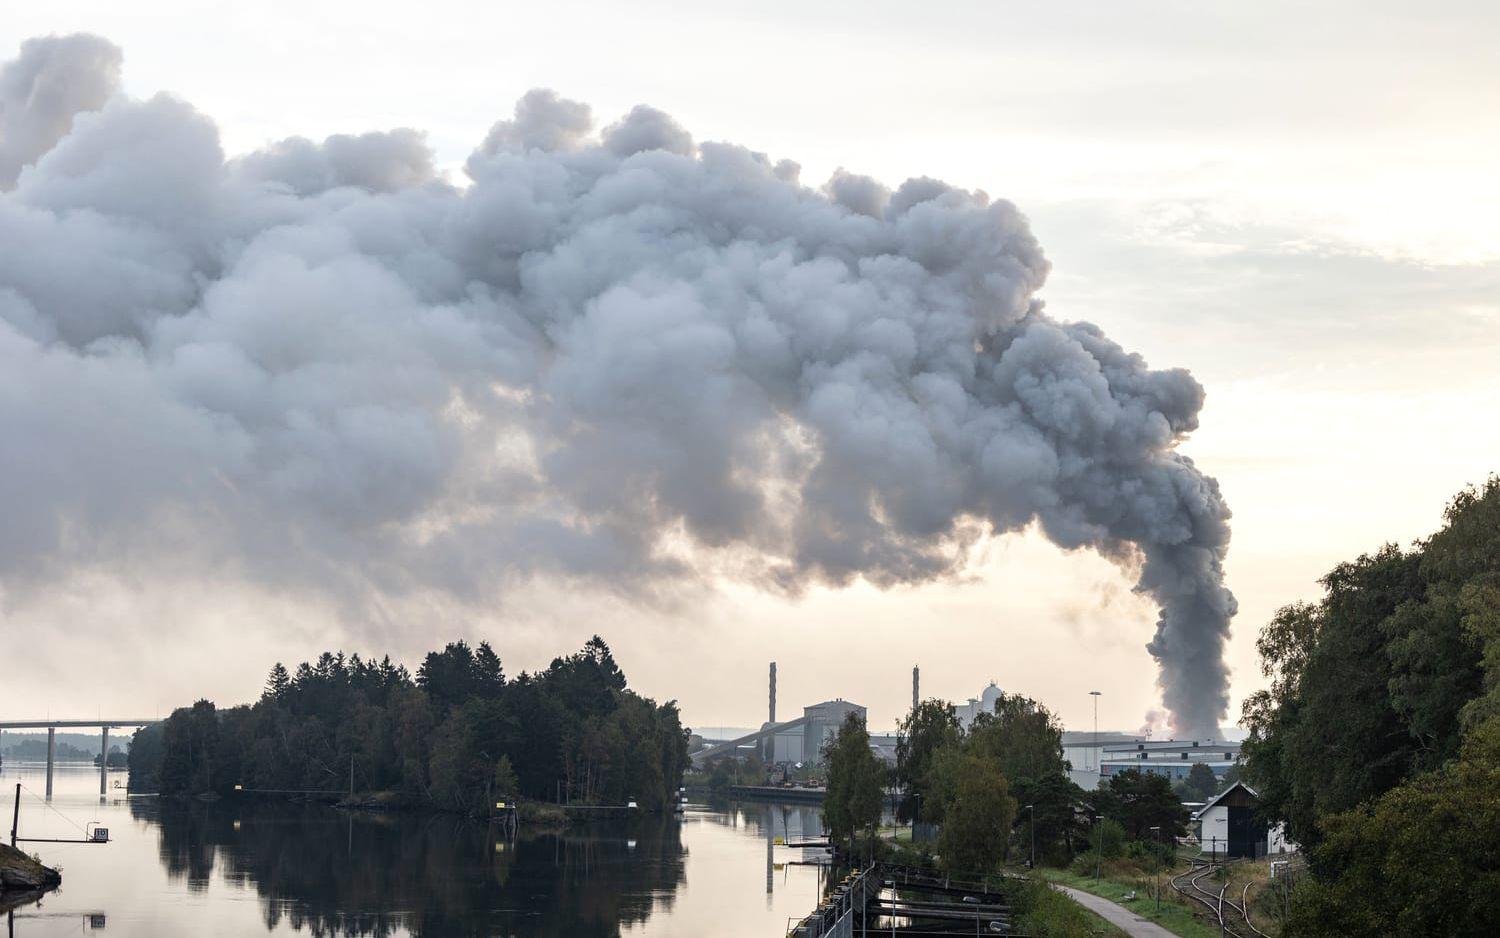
(535, 815)
(21, 875)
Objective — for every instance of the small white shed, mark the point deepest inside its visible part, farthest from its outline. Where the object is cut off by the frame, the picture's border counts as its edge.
(1227, 826)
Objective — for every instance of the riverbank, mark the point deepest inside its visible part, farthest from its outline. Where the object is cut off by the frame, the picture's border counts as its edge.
(20, 873)
(544, 815)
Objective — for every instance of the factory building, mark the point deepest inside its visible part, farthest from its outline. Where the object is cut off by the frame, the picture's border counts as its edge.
(821, 724)
(1172, 758)
(786, 746)
(984, 703)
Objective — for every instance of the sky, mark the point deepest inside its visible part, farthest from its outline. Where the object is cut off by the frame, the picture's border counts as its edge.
(1295, 204)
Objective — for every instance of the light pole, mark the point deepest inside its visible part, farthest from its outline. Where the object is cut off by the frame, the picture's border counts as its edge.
(1158, 868)
(1095, 694)
(1099, 854)
(1032, 815)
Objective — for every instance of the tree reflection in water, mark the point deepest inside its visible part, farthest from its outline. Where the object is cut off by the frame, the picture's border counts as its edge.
(331, 872)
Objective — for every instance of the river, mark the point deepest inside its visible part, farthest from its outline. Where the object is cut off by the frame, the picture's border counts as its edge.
(248, 867)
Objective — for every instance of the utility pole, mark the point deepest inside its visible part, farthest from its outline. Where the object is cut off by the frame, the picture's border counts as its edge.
(1095, 694)
(1158, 868)
(15, 816)
(1099, 857)
(1032, 809)
(351, 776)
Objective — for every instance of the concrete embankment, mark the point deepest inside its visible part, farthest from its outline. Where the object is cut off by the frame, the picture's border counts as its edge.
(776, 793)
(21, 873)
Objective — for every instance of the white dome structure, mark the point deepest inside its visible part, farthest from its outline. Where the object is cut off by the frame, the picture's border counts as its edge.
(984, 703)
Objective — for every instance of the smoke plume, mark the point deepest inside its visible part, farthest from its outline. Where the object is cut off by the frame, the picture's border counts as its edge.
(622, 357)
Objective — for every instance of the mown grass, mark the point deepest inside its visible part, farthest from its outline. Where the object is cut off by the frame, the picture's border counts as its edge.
(1176, 916)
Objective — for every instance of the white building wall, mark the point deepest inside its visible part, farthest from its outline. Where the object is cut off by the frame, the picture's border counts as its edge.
(1276, 841)
(1213, 831)
(788, 746)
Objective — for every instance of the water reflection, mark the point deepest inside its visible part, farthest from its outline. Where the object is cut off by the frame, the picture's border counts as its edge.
(335, 873)
(187, 869)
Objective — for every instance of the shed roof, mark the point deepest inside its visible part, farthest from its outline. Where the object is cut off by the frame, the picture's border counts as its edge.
(1225, 794)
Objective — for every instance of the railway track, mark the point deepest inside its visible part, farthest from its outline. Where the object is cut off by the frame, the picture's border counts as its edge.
(1233, 917)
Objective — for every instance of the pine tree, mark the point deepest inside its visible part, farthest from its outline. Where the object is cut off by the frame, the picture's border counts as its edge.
(276, 684)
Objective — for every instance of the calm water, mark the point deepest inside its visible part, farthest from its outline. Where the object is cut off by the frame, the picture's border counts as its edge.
(254, 868)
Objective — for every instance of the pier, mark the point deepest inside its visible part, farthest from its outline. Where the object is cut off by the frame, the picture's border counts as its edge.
(888, 900)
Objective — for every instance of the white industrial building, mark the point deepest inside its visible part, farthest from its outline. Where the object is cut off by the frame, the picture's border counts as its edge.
(984, 703)
(1172, 758)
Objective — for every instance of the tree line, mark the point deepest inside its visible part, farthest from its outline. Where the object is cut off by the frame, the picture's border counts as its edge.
(458, 736)
(1377, 742)
(994, 788)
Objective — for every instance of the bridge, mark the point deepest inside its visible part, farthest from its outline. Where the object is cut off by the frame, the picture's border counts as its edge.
(52, 726)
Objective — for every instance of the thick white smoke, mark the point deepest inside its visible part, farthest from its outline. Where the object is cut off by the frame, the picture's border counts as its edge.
(625, 358)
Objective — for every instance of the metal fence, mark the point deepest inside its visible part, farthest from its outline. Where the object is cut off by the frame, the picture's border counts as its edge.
(835, 917)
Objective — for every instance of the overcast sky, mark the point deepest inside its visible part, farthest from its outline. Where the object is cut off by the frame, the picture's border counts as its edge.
(1296, 202)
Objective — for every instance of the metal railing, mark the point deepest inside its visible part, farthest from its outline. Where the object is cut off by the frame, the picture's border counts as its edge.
(835, 917)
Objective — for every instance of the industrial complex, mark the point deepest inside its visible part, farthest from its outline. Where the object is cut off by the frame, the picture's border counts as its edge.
(1094, 756)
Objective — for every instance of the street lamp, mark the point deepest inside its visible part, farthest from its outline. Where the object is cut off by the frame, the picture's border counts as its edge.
(1095, 694)
(1158, 868)
(1032, 809)
(1099, 854)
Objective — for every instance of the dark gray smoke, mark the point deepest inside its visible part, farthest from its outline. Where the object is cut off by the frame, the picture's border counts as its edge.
(627, 358)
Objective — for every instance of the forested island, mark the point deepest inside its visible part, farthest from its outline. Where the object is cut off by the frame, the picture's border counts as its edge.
(458, 736)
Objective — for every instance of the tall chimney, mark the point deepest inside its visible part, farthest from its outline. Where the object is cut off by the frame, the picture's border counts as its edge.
(916, 685)
(773, 692)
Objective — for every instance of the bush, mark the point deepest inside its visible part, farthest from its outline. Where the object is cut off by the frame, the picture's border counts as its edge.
(1112, 836)
(918, 856)
(1046, 913)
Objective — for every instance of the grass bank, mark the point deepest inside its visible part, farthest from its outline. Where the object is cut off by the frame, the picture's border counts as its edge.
(1176, 916)
(1053, 914)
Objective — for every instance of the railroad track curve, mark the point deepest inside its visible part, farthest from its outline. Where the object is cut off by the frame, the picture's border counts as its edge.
(1237, 924)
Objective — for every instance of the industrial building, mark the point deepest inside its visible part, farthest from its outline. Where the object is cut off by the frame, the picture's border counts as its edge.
(984, 703)
(802, 740)
(1172, 758)
(821, 723)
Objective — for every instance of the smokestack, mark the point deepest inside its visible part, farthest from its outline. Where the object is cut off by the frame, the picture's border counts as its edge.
(916, 687)
(773, 692)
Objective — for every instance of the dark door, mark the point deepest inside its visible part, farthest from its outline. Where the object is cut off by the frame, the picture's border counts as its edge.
(1241, 832)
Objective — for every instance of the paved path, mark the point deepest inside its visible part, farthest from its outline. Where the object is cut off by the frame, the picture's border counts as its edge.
(1117, 915)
